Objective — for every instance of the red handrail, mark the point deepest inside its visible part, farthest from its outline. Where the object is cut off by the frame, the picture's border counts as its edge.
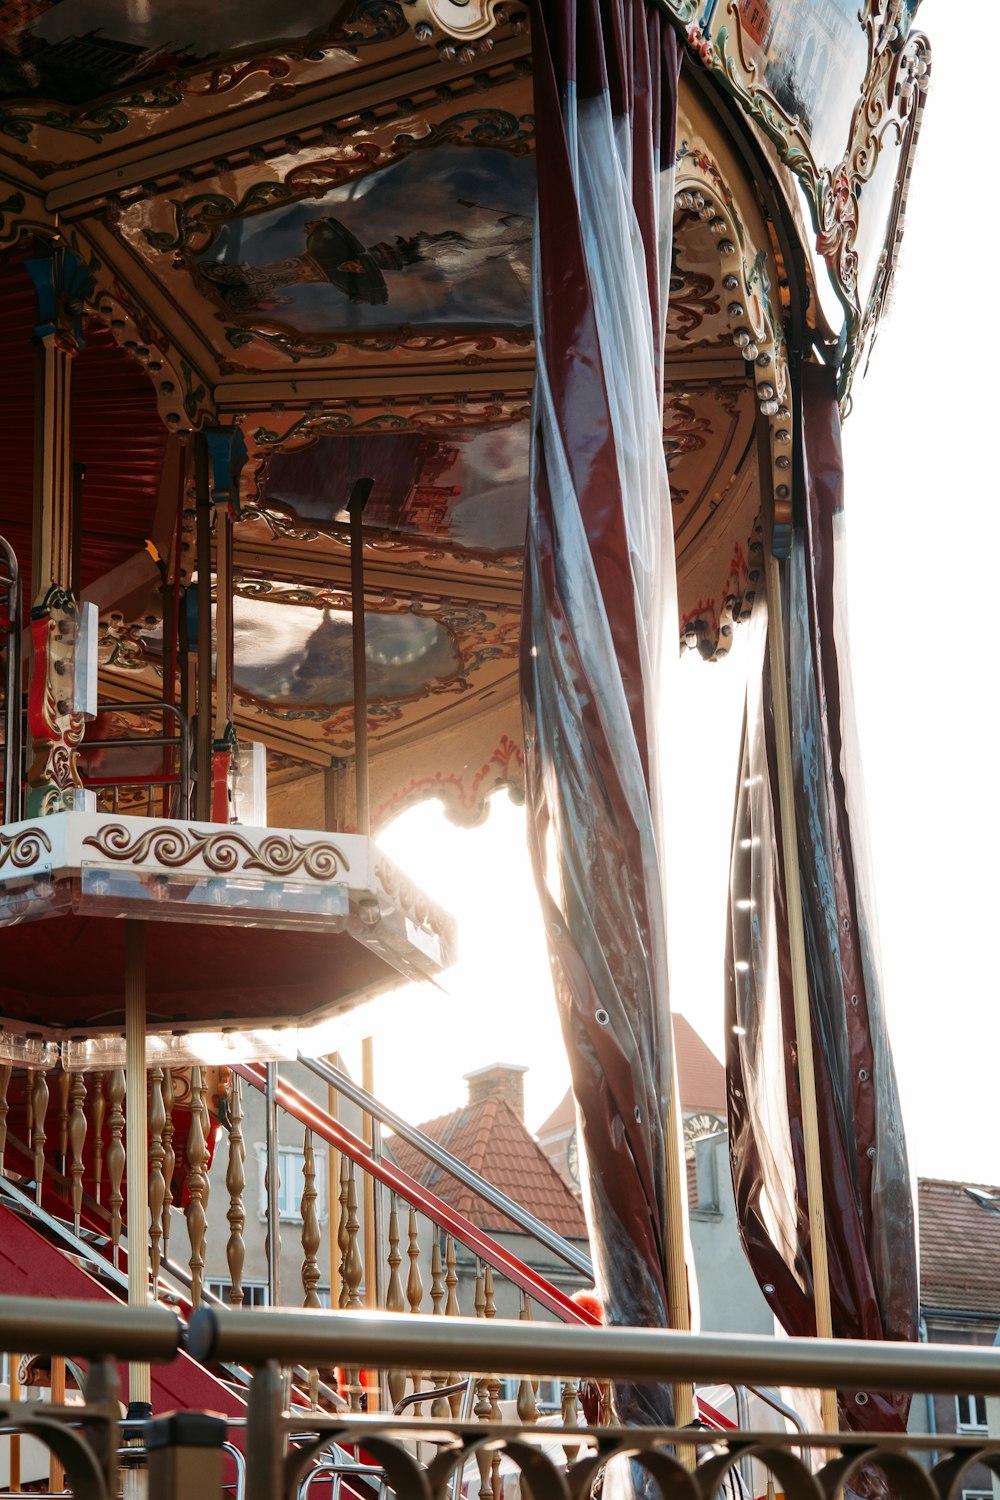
(393, 1177)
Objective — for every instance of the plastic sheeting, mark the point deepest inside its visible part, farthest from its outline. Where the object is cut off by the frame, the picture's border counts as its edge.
(866, 1184)
(598, 590)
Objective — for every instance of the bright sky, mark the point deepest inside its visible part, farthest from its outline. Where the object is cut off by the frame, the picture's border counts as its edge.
(924, 538)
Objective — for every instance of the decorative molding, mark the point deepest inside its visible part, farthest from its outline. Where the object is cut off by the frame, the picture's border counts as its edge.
(887, 112)
(752, 313)
(23, 848)
(465, 799)
(221, 852)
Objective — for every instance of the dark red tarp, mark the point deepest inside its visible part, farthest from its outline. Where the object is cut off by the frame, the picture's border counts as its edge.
(866, 1184)
(597, 591)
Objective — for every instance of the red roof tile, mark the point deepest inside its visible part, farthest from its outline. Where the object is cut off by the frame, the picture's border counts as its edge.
(489, 1138)
(701, 1079)
(959, 1246)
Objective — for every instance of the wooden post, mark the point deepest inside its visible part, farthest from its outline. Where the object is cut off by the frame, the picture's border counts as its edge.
(57, 1395)
(678, 1299)
(796, 941)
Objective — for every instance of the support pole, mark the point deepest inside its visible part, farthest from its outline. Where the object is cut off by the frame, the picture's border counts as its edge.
(203, 552)
(136, 1170)
(678, 1299)
(273, 1184)
(355, 508)
(796, 940)
(55, 724)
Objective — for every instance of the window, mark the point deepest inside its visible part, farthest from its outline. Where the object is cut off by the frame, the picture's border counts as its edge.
(290, 1183)
(970, 1413)
(548, 1395)
(254, 1292)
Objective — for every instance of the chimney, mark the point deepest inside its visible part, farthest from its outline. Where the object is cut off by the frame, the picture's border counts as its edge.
(500, 1080)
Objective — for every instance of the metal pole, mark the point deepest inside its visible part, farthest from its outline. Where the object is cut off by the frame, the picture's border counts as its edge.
(355, 508)
(203, 541)
(796, 941)
(512, 1210)
(508, 1346)
(273, 1183)
(137, 1170)
(12, 705)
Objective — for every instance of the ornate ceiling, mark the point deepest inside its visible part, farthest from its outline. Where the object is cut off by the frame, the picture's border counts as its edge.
(325, 237)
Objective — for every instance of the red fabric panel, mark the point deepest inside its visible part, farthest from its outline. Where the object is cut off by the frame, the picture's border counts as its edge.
(869, 1212)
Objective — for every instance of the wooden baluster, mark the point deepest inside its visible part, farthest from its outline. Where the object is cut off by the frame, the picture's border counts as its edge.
(206, 1130)
(311, 1240)
(496, 1415)
(353, 1273)
(97, 1110)
(64, 1086)
(5, 1070)
(39, 1105)
(169, 1156)
(483, 1405)
(569, 1415)
(311, 1237)
(115, 1155)
(197, 1156)
(451, 1310)
(439, 1407)
(29, 1097)
(235, 1185)
(77, 1131)
(414, 1293)
(527, 1401)
(343, 1239)
(157, 1186)
(394, 1299)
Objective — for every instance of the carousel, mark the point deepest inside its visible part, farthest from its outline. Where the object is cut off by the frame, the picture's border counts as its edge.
(390, 392)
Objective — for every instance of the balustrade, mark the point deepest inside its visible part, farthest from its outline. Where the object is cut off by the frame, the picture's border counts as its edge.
(74, 1148)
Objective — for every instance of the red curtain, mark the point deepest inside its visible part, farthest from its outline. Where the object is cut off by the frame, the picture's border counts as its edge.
(598, 606)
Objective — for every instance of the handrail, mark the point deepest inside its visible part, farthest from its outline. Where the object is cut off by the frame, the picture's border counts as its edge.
(509, 1347)
(123, 742)
(88, 1329)
(578, 1259)
(12, 691)
(447, 1218)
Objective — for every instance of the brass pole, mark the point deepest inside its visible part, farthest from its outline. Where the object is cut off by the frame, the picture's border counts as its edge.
(136, 1148)
(507, 1346)
(796, 939)
(355, 508)
(678, 1301)
(203, 553)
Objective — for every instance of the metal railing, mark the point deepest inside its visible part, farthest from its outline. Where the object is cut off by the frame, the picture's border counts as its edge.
(527, 1222)
(285, 1452)
(179, 743)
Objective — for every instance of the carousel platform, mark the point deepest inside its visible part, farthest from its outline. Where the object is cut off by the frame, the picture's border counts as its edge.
(217, 903)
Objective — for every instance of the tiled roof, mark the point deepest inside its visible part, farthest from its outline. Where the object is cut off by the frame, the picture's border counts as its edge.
(489, 1138)
(959, 1246)
(701, 1079)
